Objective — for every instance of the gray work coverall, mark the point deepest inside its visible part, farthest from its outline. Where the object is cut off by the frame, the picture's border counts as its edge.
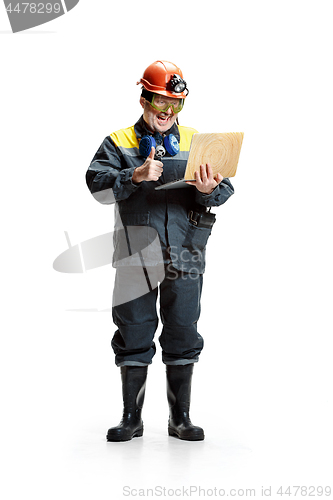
(182, 246)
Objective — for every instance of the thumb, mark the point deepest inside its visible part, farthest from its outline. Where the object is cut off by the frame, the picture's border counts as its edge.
(152, 153)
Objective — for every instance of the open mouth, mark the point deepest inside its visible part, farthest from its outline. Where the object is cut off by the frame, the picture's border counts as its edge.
(163, 119)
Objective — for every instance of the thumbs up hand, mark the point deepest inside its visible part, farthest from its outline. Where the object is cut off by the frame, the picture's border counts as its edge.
(151, 170)
(152, 153)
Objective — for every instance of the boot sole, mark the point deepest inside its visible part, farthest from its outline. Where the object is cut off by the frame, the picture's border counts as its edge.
(117, 439)
(174, 433)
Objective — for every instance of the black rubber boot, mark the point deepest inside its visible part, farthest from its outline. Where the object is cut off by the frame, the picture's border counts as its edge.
(179, 379)
(134, 384)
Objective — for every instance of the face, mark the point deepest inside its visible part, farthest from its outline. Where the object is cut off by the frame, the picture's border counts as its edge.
(158, 121)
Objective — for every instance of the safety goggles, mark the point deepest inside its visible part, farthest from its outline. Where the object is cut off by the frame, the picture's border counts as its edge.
(161, 103)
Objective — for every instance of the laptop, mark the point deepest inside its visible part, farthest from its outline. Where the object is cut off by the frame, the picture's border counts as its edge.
(220, 150)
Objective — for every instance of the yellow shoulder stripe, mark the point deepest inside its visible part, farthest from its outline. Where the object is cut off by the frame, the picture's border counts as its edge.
(186, 137)
(125, 138)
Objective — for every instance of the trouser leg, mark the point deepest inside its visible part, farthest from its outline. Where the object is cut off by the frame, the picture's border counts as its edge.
(180, 295)
(136, 320)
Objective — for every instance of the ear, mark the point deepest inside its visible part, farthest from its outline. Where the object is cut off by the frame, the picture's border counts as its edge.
(142, 101)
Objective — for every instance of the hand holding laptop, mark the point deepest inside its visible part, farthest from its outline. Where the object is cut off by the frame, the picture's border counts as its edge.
(218, 150)
(205, 182)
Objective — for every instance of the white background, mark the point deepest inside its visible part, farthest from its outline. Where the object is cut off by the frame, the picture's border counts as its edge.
(262, 389)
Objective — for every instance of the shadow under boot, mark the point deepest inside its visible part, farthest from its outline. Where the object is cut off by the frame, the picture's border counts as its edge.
(179, 378)
(133, 386)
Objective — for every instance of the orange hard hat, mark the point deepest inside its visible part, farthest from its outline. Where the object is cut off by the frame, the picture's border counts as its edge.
(164, 78)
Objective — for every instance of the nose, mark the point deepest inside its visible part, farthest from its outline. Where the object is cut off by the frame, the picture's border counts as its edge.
(169, 111)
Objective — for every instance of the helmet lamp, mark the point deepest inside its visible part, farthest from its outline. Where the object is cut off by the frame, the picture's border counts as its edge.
(177, 84)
